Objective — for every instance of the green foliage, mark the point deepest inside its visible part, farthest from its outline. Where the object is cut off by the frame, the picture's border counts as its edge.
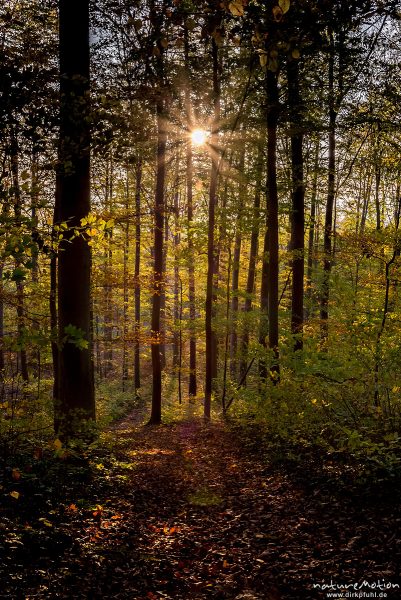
(75, 335)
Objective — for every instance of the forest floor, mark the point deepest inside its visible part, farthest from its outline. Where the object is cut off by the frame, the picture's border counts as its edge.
(186, 511)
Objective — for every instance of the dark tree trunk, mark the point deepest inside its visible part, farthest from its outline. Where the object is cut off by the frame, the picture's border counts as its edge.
(158, 283)
(264, 297)
(176, 310)
(76, 401)
(210, 350)
(53, 303)
(163, 292)
(272, 219)
(192, 387)
(34, 215)
(125, 284)
(137, 290)
(328, 224)
(253, 254)
(236, 268)
(298, 208)
(311, 234)
(108, 358)
(22, 357)
(2, 361)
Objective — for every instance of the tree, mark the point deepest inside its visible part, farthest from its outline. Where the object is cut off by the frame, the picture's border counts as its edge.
(76, 398)
(210, 346)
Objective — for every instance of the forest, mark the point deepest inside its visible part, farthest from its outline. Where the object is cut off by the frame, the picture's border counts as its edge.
(200, 299)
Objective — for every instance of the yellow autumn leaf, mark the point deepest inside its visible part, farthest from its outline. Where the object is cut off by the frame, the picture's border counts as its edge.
(295, 53)
(284, 5)
(263, 59)
(236, 8)
(14, 495)
(57, 444)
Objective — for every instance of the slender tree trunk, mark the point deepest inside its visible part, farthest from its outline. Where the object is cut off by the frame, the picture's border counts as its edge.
(108, 359)
(236, 268)
(210, 350)
(272, 219)
(53, 303)
(328, 224)
(192, 387)
(311, 234)
(298, 208)
(377, 183)
(176, 309)
(2, 361)
(227, 336)
(180, 346)
(125, 284)
(76, 401)
(137, 291)
(34, 215)
(264, 296)
(158, 283)
(163, 315)
(253, 254)
(22, 357)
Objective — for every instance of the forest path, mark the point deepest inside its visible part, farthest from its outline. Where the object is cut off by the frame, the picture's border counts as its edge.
(204, 518)
(204, 512)
(185, 512)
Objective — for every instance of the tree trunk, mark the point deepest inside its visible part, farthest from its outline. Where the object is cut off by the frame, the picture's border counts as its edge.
(210, 350)
(76, 401)
(253, 254)
(125, 284)
(2, 361)
(328, 224)
(236, 268)
(108, 358)
(34, 215)
(137, 291)
(176, 309)
(298, 209)
(158, 283)
(311, 234)
(192, 386)
(53, 304)
(22, 358)
(272, 219)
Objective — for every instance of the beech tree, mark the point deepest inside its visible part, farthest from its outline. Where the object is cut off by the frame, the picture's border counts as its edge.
(75, 397)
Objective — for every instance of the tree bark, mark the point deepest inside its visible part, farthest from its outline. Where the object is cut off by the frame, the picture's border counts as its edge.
(253, 254)
(176, 238)
(272, 219)
(158, 283)
(22, 357)
(137, 290)
(236, 269)
(76, 401)
(2, 361)
(108, 358)
(192, 385)
(311, 233)
(125, 284)
(298, 208)
(328, 224)
(210, 350)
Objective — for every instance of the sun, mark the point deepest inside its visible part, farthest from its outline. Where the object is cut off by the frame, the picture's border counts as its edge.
(199, 137)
